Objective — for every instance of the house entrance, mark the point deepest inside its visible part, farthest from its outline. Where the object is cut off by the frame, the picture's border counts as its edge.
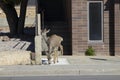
(57, 18)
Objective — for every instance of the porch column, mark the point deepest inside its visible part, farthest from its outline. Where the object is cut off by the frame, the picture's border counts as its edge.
(117, 27)
(38, 60)
(38, 41)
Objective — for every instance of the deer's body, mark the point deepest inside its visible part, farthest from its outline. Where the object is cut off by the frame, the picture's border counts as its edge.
(54, 42)
(52, 45)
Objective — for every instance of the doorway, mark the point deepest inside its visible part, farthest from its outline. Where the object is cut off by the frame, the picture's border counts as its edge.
(57, 18)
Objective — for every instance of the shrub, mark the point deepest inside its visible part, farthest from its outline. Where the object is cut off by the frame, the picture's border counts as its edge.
(90, 51)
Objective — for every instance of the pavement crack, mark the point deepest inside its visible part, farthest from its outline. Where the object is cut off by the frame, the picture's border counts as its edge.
(79, 72)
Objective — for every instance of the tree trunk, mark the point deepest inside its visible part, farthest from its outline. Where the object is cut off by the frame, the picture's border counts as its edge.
(21, 21)
(11, 16)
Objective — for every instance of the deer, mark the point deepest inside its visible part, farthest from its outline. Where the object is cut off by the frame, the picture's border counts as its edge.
(51, 45)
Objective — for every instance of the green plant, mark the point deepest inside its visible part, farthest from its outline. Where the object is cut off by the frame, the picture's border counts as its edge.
(90, 51)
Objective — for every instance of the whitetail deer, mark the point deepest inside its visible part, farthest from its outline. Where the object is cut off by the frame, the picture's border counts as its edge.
(51, 45)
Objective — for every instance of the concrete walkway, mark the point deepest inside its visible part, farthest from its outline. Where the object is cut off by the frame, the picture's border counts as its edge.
(78, 65)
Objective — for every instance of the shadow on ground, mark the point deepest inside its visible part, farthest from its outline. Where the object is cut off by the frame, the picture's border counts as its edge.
(28, 36)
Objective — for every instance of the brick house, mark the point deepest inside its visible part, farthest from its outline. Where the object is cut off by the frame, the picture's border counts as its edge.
(81, 23)
(84, 23)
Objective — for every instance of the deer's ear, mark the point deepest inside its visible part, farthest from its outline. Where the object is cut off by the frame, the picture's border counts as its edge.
(48, 30)
(45, 29)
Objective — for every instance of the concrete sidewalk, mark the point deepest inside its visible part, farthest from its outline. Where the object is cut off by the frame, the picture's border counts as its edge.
(78, 65)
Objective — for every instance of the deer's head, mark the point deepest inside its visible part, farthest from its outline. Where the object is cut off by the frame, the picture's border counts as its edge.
(44, 32)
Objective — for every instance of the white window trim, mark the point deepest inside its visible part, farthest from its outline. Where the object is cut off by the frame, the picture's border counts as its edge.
(102, 12)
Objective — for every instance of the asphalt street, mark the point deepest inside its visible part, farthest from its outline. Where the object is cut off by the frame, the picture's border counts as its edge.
(87, 77)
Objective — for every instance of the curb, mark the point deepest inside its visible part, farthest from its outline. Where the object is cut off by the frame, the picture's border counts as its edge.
(64, 70)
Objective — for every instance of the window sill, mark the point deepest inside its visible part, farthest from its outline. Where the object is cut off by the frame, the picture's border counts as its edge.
(95, 42)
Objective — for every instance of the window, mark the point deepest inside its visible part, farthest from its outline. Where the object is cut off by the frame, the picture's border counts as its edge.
(95, 20)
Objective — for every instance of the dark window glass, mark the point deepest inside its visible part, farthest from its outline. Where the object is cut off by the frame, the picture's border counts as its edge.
(95, 21)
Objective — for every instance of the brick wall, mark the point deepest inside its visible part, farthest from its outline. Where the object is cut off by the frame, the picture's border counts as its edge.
(79, 26)
(117, 27)
(80, 30)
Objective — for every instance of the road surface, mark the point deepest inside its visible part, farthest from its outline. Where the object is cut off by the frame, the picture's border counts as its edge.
(108, 77)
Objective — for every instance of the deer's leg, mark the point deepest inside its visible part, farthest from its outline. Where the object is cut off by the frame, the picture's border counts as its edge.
(49, 58)
(49, 54)
(61, 49)
(57, 56)
(54, 56)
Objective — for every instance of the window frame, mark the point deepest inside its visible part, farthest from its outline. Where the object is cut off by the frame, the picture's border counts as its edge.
(102, 20)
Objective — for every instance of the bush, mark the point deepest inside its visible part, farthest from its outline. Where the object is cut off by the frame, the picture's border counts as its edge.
(90, 51)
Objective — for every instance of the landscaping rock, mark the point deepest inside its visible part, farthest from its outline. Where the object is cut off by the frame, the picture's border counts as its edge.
(15, 57)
